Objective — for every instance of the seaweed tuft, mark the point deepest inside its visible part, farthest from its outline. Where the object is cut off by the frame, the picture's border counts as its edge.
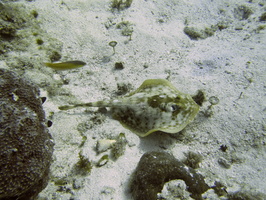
(121, 4)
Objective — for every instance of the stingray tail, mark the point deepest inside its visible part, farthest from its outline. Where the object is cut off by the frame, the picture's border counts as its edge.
(90, 104)
(67, 107)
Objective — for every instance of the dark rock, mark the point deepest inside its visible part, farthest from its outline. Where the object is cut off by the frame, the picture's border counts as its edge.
(26, 146)
(263, 17)
(193, 159)
(157, 168)
(119, 66)
(199, 98)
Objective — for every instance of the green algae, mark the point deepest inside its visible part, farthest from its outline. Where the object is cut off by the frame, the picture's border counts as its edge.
(121, 4)
(83, 166)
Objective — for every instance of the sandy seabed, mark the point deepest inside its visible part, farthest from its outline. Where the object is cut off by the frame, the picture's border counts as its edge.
(222, 53)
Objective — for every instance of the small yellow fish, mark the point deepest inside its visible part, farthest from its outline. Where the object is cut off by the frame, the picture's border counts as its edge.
(66, 65)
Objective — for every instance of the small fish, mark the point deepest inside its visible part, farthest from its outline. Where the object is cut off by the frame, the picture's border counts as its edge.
(155, 106)
(66, 65)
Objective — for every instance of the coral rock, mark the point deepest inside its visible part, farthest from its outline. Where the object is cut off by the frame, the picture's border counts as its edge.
(157, 168)
(26, 146)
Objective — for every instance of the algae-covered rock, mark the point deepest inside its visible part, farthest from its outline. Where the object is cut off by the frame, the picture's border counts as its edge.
(157, 168)
(193, 159)
(121, 4)
(25, 144)
(242, 12)
(119, 147)
(196, 33)
(263, 17)
(13, 19)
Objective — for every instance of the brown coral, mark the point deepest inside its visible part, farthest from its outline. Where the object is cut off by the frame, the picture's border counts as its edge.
(157, 168)
(25, 144)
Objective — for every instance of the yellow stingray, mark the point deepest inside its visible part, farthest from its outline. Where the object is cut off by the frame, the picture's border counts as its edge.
(155, 106)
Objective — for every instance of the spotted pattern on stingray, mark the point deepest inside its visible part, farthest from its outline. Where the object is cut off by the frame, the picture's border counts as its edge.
(155, 106)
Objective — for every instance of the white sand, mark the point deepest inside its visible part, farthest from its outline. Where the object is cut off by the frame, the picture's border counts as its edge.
(233, 69)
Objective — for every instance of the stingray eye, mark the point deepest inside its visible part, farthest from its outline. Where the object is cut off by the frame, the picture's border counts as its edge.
(170, 107)
(175, 107)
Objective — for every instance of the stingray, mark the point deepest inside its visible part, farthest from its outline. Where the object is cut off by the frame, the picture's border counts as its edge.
(155, 106)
